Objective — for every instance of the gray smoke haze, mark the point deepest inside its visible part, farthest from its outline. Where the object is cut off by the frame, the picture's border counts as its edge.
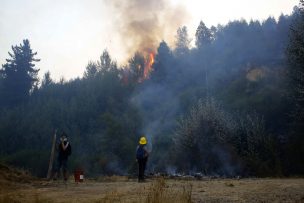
(142, 24)
(152, 98)
(158, 107)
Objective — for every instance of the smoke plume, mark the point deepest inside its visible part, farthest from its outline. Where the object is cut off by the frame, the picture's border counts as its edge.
(142, 24)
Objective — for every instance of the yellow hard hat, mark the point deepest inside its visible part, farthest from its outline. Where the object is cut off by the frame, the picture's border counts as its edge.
(142, 140)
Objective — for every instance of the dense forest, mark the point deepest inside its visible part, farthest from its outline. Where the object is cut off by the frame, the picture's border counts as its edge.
(230, 105)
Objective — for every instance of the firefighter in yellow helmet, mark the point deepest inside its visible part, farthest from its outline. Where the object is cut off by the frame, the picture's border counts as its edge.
(142, 155)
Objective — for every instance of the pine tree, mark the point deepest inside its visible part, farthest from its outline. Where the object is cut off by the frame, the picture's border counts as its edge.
(106, 63)
(47, 80)
(163, 59)
(136, 66)
(203, 35)
(91, 70)
(182, 41)
(19, 75)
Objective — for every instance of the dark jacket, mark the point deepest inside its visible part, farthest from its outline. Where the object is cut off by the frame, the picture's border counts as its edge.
(145, 151)
(64, 153)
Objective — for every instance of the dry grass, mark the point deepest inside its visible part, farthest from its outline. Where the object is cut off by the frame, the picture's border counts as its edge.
(110, 198)
(9, 175)
(113, 178)
(20, 198)
(17, 186)
(158, 190)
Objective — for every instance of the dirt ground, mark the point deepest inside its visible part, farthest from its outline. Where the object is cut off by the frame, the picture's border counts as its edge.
(122, 189)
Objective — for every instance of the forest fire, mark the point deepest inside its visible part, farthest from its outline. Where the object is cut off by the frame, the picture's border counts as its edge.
(144, 67)
(148, 65)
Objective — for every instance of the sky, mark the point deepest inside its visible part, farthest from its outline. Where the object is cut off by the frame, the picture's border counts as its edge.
(67, 34)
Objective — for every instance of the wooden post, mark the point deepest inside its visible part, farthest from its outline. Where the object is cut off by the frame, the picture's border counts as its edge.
(52, 156)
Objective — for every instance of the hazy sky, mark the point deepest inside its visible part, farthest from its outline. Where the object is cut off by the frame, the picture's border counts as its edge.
(68, 33)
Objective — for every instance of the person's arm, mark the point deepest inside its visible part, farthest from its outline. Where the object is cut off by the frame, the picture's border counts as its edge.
(64, 146)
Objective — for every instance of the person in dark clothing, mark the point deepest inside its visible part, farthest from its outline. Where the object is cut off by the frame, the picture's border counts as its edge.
(142, 155)
(64, 151)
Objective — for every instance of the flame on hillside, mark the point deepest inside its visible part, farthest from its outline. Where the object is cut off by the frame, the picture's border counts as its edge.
(148, 65)
(144, 69)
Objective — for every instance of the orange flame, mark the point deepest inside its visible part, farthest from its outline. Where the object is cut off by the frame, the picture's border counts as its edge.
(147, 69)
(148, 66)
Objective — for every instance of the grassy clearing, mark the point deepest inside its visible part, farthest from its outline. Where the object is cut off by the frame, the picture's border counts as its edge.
(158, 190)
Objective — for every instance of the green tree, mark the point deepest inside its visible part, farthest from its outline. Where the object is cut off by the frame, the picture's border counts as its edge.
(19, 74)
(295, 55)
(136, 66)
(201, 134)
(106, 63)
(256, 147)
(203, 35)
(47, 80)
(182, 41)
(91, 70)
(163, 59)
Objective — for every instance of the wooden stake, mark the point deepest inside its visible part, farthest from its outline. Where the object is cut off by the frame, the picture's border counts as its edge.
(52, 157)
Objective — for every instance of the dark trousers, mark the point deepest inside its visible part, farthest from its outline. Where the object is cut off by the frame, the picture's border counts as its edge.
(61, 164)
(141, 168)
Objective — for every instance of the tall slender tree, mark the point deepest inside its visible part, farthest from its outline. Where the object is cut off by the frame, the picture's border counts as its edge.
(106, 63)
(203, 35)
(19, 75)
(182, 41)
(162, 60)
(47, 80)
(91, 70)
(137, 65)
